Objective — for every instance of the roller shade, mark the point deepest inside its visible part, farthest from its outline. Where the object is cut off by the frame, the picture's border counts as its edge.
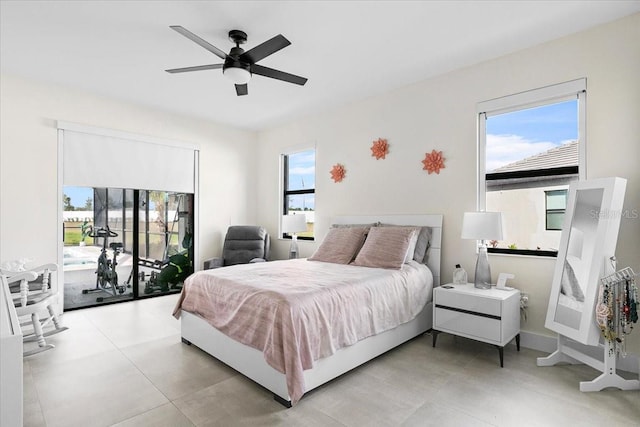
(111, 159)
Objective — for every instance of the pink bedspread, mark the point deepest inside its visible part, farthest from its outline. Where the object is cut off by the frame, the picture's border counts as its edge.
(298, 311)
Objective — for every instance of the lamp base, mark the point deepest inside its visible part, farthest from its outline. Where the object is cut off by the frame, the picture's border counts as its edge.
(293, 249)
(482, 278)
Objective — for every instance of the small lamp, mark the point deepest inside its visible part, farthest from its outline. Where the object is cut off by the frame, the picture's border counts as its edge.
(482, 226)
(293, 224)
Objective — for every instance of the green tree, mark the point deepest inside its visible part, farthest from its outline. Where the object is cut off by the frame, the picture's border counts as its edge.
(66, 201)
(88, 204)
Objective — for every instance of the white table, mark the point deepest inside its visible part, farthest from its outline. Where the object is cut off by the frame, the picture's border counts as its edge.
(486, 315)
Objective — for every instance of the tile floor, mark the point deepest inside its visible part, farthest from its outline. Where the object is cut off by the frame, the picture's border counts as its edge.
(125, 365)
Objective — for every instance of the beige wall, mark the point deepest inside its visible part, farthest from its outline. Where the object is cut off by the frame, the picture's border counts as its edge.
(524, 215)
(28, 160)
(439, 113)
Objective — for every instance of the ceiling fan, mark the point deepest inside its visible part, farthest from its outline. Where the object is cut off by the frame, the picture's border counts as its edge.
(240, 65)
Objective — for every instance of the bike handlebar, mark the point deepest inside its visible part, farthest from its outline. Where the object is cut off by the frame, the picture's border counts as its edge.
(102, 232)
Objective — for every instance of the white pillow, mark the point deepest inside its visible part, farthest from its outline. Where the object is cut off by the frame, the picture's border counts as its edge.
(412, 246)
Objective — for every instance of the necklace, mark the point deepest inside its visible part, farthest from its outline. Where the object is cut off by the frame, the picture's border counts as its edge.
(617, 309)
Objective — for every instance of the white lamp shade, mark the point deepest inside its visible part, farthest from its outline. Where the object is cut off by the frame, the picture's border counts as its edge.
(482, 226)
(237, 75)
(294, 223)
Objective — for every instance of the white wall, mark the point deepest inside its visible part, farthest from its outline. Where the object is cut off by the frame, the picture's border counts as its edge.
(28, 159)
(439, 114)
(524, 215)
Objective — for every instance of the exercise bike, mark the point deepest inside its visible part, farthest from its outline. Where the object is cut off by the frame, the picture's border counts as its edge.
(106, 274)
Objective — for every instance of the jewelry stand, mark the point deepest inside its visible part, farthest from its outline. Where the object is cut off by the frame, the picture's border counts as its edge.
(609, 377)
(568, 354)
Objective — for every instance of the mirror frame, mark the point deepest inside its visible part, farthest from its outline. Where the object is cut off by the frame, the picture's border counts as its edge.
(606, 238)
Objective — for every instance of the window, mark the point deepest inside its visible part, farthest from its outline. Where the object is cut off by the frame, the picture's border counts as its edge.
(299, 182)
(556, 205)
(531, 147)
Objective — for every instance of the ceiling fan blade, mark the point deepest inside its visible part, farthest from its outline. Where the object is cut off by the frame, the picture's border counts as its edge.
(277, 74)
(242, 89)
(265, 49)
(205, 44)
(196, 68)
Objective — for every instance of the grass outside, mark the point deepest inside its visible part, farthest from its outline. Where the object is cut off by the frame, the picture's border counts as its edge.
(73, 234)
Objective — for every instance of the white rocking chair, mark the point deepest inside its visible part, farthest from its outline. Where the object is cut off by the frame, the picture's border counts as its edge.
(33, 297)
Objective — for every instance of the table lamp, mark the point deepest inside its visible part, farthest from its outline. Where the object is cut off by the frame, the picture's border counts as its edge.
(293, 224)
(482, 226)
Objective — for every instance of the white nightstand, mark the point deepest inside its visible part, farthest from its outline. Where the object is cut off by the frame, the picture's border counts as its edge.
(487, 315)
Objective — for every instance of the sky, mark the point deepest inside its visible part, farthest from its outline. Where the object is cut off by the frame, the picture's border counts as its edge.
(302, 175)
(302, 170)
(78, 195)
(523, 133)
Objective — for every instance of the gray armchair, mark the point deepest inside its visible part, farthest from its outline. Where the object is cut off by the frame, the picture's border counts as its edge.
(242, 244)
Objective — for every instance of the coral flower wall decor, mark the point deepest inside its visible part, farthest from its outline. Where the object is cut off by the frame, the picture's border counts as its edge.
(433, 162)
(380, 148)
(337, 172)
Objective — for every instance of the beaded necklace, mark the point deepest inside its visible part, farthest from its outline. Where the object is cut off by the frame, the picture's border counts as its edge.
(617, 308)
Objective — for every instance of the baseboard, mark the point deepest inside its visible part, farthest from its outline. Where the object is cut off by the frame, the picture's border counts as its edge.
(548, 344)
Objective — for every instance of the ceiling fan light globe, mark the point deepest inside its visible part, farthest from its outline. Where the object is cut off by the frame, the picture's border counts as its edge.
(238, 76)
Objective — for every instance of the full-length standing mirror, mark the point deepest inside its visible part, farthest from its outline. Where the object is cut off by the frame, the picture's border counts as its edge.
(589, 238)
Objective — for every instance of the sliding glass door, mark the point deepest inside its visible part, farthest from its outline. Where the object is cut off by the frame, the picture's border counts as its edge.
(124, 244)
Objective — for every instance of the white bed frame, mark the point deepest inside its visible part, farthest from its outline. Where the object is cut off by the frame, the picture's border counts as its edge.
(251, 363)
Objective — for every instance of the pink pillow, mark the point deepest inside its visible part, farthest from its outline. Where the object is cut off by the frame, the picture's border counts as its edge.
(340, 245)
(385, 247)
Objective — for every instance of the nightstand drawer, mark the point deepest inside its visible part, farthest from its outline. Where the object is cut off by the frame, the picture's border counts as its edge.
(468, 325)
(446, 297)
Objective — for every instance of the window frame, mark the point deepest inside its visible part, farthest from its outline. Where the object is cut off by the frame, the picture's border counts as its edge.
(284, 193)
(547, 210)
(571, 90)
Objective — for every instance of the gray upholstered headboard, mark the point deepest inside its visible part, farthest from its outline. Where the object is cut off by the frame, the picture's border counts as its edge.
(427, 220)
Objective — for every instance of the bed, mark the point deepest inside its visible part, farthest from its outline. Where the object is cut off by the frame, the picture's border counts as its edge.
(293, 357)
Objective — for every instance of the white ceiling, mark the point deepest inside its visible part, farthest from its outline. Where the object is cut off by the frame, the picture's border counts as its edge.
(349, 50)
